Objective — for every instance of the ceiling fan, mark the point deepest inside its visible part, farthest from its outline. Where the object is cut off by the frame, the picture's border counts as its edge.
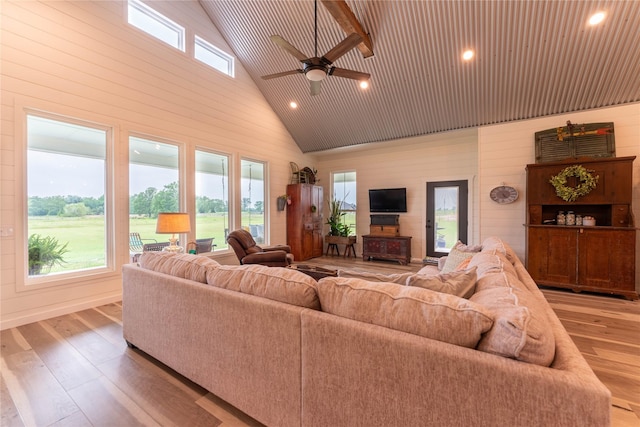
(317, 68)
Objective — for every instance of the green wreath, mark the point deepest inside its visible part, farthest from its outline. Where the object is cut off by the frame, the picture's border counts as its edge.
(569, 194)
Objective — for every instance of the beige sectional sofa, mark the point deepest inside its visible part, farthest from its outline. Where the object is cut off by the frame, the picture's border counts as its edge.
(351, 351)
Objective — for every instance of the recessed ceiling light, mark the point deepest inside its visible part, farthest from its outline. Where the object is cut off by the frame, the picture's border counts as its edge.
(293, 105)
(467, 55)
(596, 18)
(364, 84)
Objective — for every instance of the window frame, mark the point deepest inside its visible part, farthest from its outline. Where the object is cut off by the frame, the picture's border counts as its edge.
(220, 246)
(333, 192)
(29, 283)
(265, 201)
(159, 18)
(181, 171)
(208, 46)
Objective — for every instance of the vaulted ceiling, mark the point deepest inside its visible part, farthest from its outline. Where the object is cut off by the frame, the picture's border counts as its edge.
(532, 59)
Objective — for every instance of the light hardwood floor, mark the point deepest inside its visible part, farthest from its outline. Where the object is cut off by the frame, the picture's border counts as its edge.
(76, 370)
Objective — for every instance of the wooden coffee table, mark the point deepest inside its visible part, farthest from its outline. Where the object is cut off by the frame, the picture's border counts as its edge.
(314, 271)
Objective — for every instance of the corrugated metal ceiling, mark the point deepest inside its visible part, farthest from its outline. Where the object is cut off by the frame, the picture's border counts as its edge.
(533, 58)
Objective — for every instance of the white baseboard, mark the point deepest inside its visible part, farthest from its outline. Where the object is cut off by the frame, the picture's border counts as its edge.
(58, 311)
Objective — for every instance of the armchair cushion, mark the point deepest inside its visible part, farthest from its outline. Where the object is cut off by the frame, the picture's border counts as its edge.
(270, 258)
(248, 252)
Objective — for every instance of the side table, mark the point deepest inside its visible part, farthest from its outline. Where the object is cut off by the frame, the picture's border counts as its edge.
(334, 241)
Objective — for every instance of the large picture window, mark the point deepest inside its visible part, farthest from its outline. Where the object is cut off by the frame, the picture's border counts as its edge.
(344, 190)
(212, 198)
(66, 196)
(252, 203)
(154, 186)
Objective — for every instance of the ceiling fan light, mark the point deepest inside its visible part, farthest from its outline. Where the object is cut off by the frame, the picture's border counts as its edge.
(316, 74)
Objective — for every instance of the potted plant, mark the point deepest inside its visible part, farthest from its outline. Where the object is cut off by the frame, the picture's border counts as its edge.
(336, 216)
(44, 253)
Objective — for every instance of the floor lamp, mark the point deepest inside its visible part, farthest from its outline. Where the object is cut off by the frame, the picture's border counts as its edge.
(173, 223)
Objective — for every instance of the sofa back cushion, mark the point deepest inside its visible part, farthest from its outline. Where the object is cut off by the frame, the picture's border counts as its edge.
(409, 309)
(276, 283)
(399, 278)
(185, 266)
(521, 329)
(460, 283)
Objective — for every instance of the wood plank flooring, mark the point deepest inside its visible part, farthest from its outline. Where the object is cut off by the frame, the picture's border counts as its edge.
(76, 370)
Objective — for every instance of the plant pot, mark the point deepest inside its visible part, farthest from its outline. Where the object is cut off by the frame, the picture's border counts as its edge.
(281, 203)
(340, 240)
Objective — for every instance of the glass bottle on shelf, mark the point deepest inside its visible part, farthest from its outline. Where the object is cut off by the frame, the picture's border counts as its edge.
(571, 218)
(578, 219)
(560, 219)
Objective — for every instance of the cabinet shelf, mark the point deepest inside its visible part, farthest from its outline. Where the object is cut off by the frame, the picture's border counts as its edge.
(598, 258)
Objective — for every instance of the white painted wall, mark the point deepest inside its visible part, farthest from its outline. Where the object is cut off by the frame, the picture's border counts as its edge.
(82, 59)
(410, 163)
(506, 149)
(488, 156)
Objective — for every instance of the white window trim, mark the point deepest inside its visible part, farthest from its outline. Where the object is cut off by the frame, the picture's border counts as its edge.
(199, 41)
(160, 18)
(23, 281)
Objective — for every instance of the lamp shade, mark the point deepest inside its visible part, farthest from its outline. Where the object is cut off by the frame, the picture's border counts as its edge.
(173, 223)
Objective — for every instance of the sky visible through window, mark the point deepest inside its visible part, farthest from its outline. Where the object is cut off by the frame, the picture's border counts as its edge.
(57, 175)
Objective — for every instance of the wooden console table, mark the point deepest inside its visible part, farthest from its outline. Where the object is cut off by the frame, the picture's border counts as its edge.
(396, 248)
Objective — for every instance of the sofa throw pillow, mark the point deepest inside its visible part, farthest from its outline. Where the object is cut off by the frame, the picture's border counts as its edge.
(459, 283)
(491, 262)
(276, 283)
(454, 259)
(462, 247)
(418, 311)
(493, 243)
(521, 329)
(399, 278)
(185, 266)
(429, 270)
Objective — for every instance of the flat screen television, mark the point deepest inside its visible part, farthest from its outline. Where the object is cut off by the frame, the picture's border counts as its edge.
(388, 200)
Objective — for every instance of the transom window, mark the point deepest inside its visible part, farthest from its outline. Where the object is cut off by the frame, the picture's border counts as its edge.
(212, 56)
(156, 24)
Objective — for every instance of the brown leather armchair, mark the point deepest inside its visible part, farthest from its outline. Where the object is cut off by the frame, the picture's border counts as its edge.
(248, 252)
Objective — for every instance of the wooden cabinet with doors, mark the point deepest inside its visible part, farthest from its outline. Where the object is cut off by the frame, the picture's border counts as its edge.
(598, 258)
(305, 221)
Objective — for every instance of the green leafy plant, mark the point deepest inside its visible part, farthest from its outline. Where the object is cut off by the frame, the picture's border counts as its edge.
(336, 217)
(44, 253)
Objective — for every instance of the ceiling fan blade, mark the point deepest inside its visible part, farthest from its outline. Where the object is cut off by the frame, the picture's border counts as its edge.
(349, 74)
(315, 87)
(343, 47)
(284, 73)
(289, 48)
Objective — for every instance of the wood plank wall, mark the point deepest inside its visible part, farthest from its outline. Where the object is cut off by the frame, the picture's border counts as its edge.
(81, 59)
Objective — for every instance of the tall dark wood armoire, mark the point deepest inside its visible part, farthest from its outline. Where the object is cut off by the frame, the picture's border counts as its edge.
(305, 221)
(598, 258)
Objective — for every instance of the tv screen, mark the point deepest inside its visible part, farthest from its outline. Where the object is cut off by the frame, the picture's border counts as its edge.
(388, 200)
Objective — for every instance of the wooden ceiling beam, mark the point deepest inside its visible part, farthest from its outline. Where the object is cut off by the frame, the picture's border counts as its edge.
(343, 15)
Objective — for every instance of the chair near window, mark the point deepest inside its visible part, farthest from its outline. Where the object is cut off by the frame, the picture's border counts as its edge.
(136, 245)
(248, 252)
(154, 247)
